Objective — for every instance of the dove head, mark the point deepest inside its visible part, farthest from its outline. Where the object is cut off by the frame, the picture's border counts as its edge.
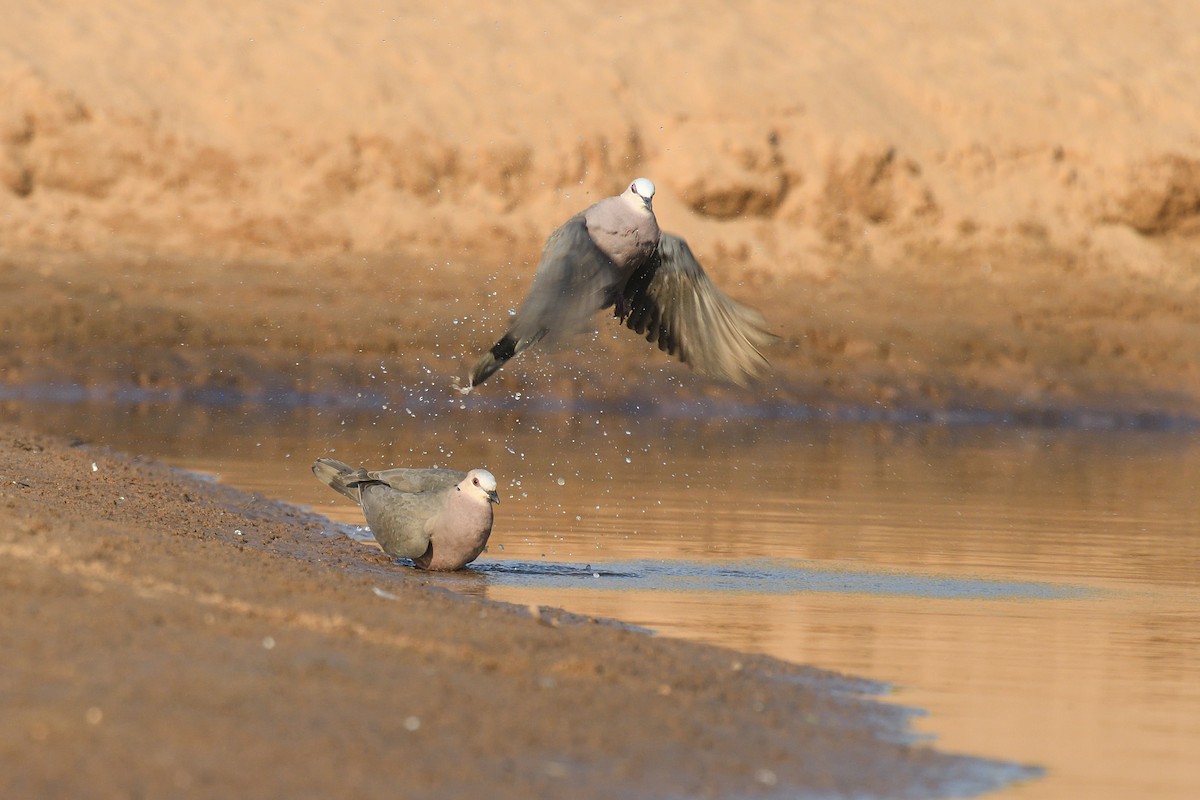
(640, 193)
(480, 484)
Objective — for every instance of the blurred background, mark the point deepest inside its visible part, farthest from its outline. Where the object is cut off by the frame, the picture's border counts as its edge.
(993, 207)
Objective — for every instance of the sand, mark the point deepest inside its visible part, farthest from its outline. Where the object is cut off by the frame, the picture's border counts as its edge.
(935, 207)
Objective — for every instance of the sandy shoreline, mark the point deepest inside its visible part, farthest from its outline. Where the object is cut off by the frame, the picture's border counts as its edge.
(939, 212)
(214, 643)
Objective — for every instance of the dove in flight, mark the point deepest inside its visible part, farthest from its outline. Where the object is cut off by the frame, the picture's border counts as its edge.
(613, 254)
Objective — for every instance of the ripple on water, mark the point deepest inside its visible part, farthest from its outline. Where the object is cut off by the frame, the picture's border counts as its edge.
(764, 577)
(750, 576)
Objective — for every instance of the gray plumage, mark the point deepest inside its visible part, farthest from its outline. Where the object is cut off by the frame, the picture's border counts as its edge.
(439, 518)
(613, 254)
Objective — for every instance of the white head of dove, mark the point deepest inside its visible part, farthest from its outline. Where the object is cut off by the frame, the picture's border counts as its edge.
(613, 255)
(480, 485)
(640, 194)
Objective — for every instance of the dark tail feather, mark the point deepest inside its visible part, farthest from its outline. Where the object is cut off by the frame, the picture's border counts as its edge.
(498, 356)
(493, 359)
(342, 477)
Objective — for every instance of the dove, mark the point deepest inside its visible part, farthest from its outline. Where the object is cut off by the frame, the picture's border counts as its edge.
(613, 254)
(439, 518)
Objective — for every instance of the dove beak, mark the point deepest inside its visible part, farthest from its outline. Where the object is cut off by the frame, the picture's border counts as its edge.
(493, 497)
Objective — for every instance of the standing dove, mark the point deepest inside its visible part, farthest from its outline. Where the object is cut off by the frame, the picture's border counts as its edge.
(613, 254)
(440, 518)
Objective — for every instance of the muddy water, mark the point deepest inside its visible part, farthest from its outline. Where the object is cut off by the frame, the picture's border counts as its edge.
(1036, 592)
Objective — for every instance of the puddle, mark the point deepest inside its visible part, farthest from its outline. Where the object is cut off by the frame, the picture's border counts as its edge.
(758, 577)
(752, 577)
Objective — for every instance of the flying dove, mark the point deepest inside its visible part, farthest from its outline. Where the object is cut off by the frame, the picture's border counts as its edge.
(440, 518)
(613, 254)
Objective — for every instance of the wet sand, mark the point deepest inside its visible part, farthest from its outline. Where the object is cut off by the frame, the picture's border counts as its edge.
(168, 635)
(400, 328)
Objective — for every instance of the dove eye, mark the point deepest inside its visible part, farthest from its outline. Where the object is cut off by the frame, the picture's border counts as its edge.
(475, 481)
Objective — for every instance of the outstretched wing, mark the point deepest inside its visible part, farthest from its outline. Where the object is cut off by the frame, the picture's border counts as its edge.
(574, 280)
(677, 306)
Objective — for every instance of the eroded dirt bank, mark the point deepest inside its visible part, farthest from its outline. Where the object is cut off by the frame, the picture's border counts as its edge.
(934, 208)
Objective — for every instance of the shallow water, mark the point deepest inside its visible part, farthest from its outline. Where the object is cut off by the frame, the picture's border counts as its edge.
(1036, 591)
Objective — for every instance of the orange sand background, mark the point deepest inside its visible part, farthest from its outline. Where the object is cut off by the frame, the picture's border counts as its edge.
(1007, 193)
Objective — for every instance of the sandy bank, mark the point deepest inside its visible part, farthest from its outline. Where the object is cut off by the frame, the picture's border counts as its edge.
(785, 136)
(935, 208)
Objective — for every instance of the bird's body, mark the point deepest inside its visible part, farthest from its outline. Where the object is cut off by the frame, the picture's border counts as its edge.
(439, 518)
(613, 254)
(627, 232)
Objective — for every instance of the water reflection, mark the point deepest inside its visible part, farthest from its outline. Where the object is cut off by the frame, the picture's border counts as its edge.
(1036, 590)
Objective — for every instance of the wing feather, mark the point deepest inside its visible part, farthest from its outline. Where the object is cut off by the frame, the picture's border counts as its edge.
(574, 280)
(417, 480)
(673, 302)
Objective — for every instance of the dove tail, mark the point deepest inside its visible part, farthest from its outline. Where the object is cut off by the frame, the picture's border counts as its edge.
(342, 477)
(491, 361)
